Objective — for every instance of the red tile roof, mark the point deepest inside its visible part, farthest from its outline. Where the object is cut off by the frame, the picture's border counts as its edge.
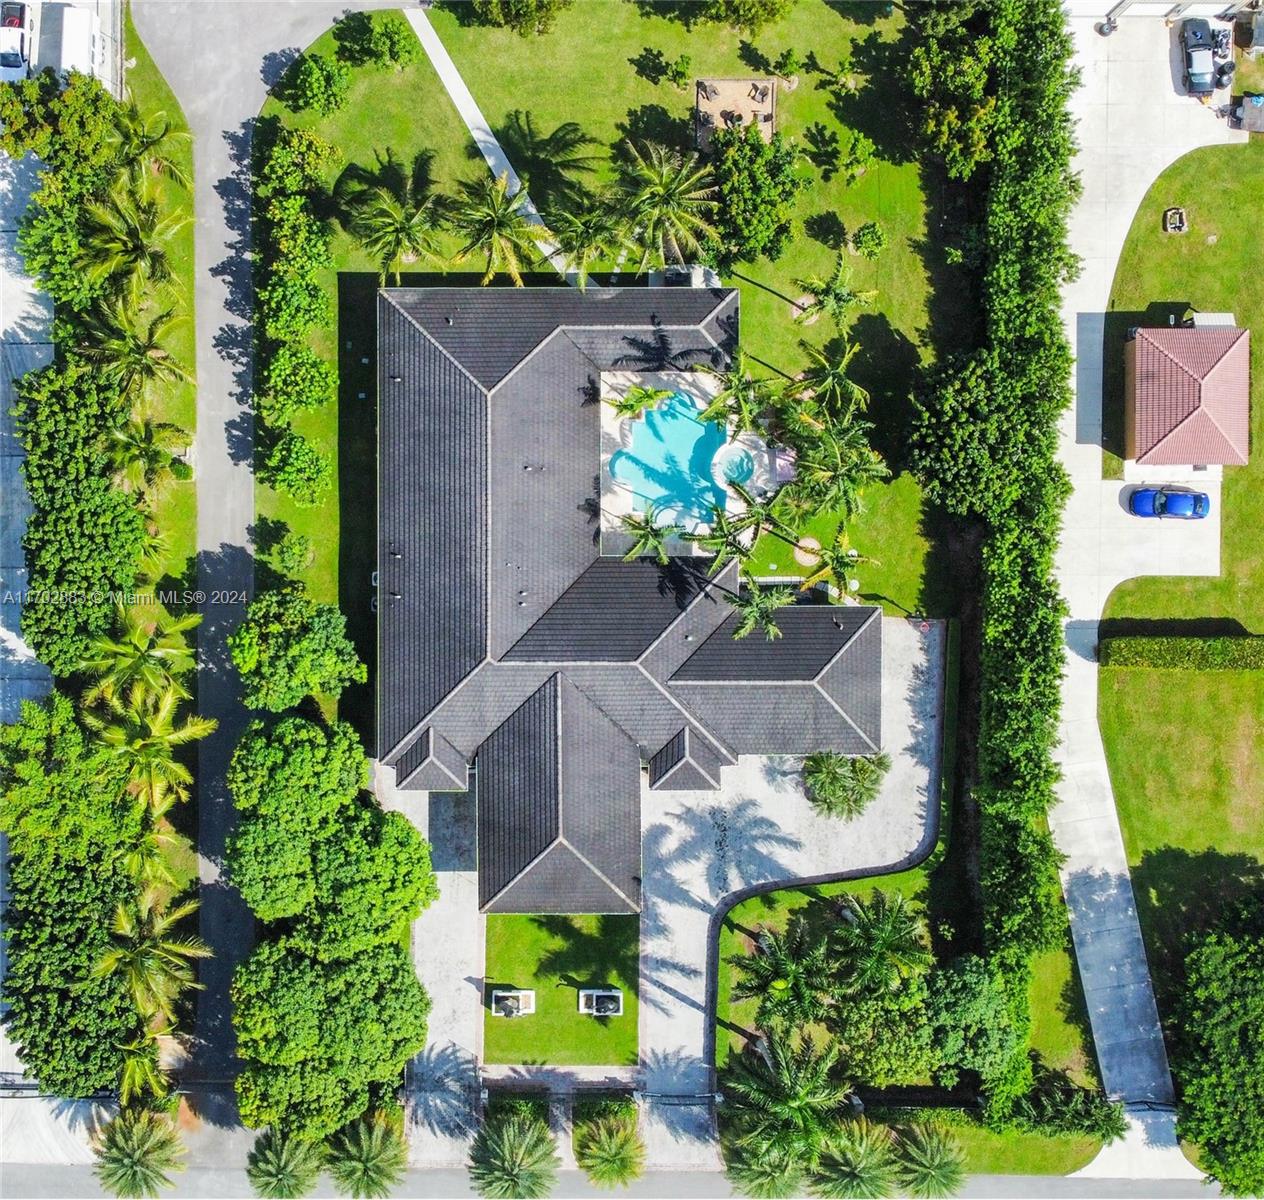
(1191, 395)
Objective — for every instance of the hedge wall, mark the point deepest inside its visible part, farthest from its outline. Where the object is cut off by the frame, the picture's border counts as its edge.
(1184, 653)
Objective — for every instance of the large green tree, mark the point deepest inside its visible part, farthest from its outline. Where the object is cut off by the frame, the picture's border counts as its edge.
(756, 185)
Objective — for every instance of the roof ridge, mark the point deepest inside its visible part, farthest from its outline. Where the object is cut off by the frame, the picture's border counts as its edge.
(874, 614)
(456, 362)
(618, 891)
(1199, 410)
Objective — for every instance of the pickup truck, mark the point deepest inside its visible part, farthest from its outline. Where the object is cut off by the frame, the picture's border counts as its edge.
(17, 40)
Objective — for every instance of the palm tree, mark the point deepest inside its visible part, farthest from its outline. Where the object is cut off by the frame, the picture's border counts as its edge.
(497, 227)
(124, 240)
(547, 163)
(590, 234)
(395, 224)
(765, 1174)
(136, 1153)
(834, 468)
(610, 1151)
(828, 381)
(858, 1165)
(367, 1159)
(931, 1162)
(130, 354)
(742, 400)
(153, 553)
(648, 536)
(759, 514)
(671, 198)
(148, 861)
(838, 562)
(138, 140)
(282, 1166)
(832, 295)
(787, 1098)
(141, 730)
(880, 942)
(153, 652)
(514, 1158)
(155, 961)
(726, 539)
(789, 974)
(756, 607)
(141, 1074)
(638, 400)
(841, 786)
(144, 455)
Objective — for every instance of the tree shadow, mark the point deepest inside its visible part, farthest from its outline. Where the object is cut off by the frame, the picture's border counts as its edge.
(549, 163)
(826, 228)
(653, 123)
(824, 149)
(754, 58)
(1115, 330)
(887, 367)
(859, 12)
(592, 959)
(650, 65)
(1198, 627)
(883, 113)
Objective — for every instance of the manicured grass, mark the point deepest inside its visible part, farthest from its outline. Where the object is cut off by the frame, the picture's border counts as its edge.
(176, 510)
(1190, 794)
(557, 956)
(989, 1153)
(1059, 1019)
(1158, 274)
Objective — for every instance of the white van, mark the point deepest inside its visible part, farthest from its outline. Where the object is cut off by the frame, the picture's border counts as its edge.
(80, 40)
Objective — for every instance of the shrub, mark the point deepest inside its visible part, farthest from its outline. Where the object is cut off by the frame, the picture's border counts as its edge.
(869, 240)
(525, 17)
(291, 305)
(292, 554)
(1184, 653)
(137, 1152)
(295, 379)
(857, 156)
(392, 41)
(294, 466)
(610, 1151)
(750, 16)
(368, 1158)
(972, 1023)
(680, 71)
(1057, 1106)
(859, 1161)
(292, 161)
(839, 785)
(513, 1158)
(757, 182)
(318, 82)
(283, 1167)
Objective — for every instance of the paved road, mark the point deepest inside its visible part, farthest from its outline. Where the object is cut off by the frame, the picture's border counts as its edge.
(220, 60)
(1132, 125)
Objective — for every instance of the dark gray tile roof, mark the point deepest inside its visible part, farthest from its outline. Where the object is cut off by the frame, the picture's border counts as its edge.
(687, 763)
(432, 764)
(559, 800)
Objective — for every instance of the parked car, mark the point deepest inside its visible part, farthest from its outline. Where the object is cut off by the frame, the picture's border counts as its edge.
(1180, 503)
(1200, 60)
(17, 41)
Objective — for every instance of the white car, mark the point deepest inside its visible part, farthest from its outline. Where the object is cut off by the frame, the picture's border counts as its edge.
(17, 40)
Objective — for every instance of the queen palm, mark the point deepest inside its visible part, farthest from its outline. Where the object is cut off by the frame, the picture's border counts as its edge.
(513, 1158)
(588, 235)
(141, 730)
(282, 1166)
(858, 1165)
(828, 380)
(137, 1152)
(837, 562)
(125, 241)
(128, 351)
(394, 224)
(148, 860)
(368, 1158)
(141, 144)
(835, 468)
(741, 401)
(671, 199)
(931, 1162)
(638, 400)
(879, 942)
(832, 295)
(758, 514)
(154, 959)
(788, 973)
(141, 1075)
(497, 227)
(143, 454)
(757, 608)
(725, 539)
(151, 651)
(649, 537)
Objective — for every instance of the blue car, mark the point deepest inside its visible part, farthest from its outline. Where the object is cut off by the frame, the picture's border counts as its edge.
(1169, 502)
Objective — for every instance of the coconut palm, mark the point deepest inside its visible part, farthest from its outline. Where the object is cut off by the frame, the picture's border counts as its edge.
(841, 786)
(149, 860)
(141, 143)
(594, 232)
(367, 1159)
(858, 1165)
(879, 942)
(638, 400)
(152, 651)
(756, 607)
(129, 352)
(153, 553)
(125, 241)
(141, 730)
(759, 514)
(497, 227)
(724, 538)
(548, 163)
(834, 469)
(931, 1162)
(155, 960)
(137, 1152)
(832, 295)
(827, 380)
(610, 1151)
(837, 562)
(671, 197)
(141, 1075)
(397, 224)
(143, 454)
(788, 973)
(648, 536)
(282, 1166)
(514, 1158)
(741, 401)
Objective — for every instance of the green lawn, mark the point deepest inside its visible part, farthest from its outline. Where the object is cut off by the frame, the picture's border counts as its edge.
(1158, 274)
(556, 956)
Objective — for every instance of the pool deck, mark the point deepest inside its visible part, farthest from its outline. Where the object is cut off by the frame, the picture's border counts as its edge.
(617, 433)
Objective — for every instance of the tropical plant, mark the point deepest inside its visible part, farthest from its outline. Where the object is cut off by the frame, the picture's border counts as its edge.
(524, 17)
(638, 400)
(837, 563)
(513, 1158)
(759, 513)
(609, 1151)
(839, 785)
(397, 225)
(858, 1165)
(741, 400)
(757, 607)
(293, 465)
(318, 82)
(367, 1160)
(726, 540)
(137, 1152)
(141, 1074)
(125, 240)
(296, 379)
(497, 227)
(144, 455)
(282, 1166)
(869, 240)
(834, 469)
(757, 182)
(788, 973)
(589, 234)
(150, 860)
(879, 942)
(153, 651)
(832, 295)
(127, 351)
(671, 197)
(765, 1174)
(140, 729)
(827, 379)
(930, 1162)
(649, 536)
(141, 142)
(155, 960)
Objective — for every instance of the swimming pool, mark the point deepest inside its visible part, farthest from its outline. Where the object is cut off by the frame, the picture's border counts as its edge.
(676, 462)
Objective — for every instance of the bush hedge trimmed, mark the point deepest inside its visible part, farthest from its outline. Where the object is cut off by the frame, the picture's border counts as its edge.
(1184, 653)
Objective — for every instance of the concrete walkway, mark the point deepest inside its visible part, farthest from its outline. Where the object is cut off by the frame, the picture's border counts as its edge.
(1132, 124)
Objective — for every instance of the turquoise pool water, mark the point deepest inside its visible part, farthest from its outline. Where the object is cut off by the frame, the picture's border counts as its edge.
(669, 464)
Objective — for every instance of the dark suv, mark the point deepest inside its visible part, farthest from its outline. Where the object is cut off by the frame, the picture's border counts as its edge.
(1200, 59)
